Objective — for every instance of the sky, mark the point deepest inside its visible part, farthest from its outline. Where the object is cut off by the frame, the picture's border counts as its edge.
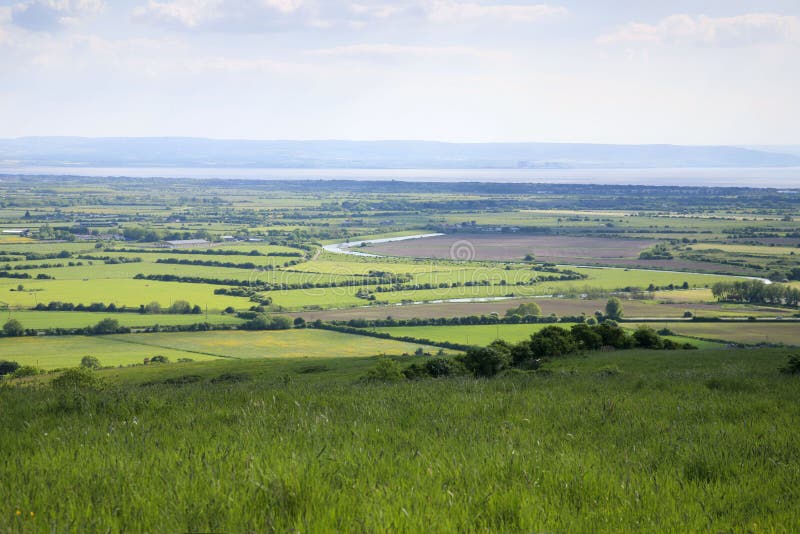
(615, 71)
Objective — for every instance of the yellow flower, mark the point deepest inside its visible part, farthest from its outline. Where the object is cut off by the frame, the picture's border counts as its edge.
(19, 512)
(32, 514)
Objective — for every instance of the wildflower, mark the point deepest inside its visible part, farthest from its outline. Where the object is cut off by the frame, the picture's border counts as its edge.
(18, 513)
(32, 514)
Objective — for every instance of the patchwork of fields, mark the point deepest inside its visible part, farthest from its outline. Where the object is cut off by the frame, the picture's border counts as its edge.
(127, 349)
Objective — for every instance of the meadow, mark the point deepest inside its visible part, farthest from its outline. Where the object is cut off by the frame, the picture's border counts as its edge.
(58, 352)
(41, 320)
(624, 441)
(747, 332)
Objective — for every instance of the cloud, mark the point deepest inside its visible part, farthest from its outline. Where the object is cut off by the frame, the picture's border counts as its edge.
(245, 16)
(451, 10)
(49, 15)
(383, 51)
(740, 30)
(265, 15)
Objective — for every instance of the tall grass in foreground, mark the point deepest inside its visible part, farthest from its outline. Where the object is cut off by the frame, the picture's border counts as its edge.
(614, 442)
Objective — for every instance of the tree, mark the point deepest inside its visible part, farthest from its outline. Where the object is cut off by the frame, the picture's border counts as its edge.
(586, 336)
(387, 370)
(647, 338)
(486, 361)
(7, 367)
(299, 322)
(525, 309)
(614, 308)
(90, 362)
(551, 342)
(13, 328)
(106, 326)
(180, 306)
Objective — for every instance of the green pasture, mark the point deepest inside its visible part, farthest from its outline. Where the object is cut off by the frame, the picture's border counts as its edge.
(305, 343)
(53, 352)
(468, 334)
(71, 319)
(747, 332)
(56, 352)
(122, 292)
(623, 441)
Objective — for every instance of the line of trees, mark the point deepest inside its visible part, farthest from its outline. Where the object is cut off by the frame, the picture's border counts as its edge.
(180, 307)
(556, 342)
(756, 292)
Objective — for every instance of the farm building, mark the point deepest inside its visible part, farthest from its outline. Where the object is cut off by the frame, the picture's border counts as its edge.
(22, 232)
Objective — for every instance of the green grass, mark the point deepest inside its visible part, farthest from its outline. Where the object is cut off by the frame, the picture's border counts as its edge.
(612, 442)
(46, 319)
(54, 352)
(469, 334)
(57, 352)
(130, 293)
(747, 332)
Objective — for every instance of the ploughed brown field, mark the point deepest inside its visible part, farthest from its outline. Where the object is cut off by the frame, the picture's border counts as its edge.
(515, 247)
(561, 307)
(605, 251)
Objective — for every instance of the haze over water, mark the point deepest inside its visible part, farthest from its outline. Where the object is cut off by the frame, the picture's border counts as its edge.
(783, 177)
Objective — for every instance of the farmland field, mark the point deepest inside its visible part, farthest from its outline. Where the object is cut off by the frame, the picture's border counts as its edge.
(748, 332)
(515, 247)
(67, 351)
(278, 407)
(41, 320)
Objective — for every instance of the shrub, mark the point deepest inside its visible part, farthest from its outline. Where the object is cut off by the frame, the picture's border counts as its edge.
(551, 342)
(159, 359)
(614, 308)
(90, 362)
(586, 336)
(265, 322)
(26, 370)
(486, 361)
(7, 367)
(387, 370)
(77, 378)
(647, 338)
(792, 366)
(13, 328)
(434, 368)
(107, 326)
(525, 309)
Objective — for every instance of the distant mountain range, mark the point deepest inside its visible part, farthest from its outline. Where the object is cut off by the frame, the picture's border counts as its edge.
(212, 153)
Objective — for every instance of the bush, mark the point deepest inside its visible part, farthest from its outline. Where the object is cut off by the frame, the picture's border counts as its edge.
(434, 368)
(487, 361)
(525, 309)
(26, 370)
(77, 378)
(13, 328)
(159, 359)
(265, 322)
(792, 366)
(387, 370)
(614, 308)
(551, 342)
(647, 338)
(90, 362)
(8, 367)
(107, 326)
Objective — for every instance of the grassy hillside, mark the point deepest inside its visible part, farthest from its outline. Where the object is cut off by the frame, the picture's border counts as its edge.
(624, 441)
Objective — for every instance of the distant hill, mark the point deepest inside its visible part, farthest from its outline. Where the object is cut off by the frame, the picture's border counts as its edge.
(197, 152)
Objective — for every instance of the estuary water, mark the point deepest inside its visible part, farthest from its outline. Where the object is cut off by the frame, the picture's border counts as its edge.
(774, 177)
